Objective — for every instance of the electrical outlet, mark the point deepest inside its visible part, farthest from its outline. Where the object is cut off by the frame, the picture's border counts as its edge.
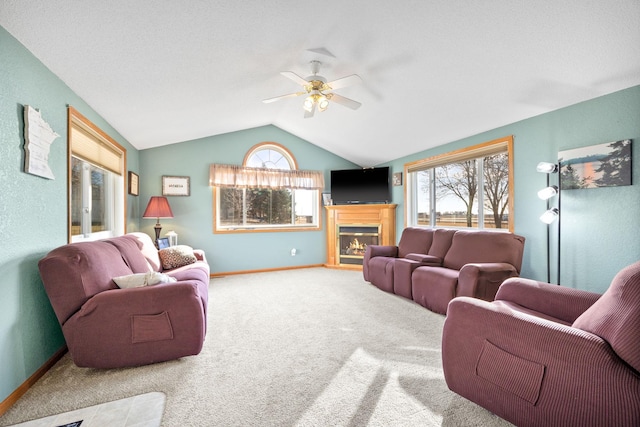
(294, 252)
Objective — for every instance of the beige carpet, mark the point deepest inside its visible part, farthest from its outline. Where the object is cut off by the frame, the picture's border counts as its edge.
(310, 347)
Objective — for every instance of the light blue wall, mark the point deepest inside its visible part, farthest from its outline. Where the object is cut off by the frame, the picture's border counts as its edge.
(193, 215)
(33, 210)
(599, 226)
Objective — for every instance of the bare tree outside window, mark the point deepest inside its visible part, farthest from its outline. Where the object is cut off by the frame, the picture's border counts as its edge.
(457, 180)
(496, 188)
(231, 206)
(471, 191)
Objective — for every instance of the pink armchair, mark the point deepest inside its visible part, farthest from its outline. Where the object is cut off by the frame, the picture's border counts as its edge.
(544, 354)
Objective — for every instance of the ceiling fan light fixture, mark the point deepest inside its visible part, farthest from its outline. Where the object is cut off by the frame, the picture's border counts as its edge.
(308, 103)
(319, 91)
(323, 102)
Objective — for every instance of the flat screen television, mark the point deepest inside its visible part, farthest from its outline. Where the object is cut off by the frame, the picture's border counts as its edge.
(360, 186)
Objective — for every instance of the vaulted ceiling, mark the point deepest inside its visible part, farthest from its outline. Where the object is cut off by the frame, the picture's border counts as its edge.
(432, 71)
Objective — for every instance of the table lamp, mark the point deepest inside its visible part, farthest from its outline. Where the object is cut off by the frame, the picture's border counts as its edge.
(157, 208)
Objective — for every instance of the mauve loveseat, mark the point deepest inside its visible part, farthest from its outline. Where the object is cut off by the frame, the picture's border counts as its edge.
(433, 266)
(548, 355)
(108, 327)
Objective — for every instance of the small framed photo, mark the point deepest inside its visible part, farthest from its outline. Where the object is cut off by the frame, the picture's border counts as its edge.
(175, 186)
(397, 179)
(163, 242)
(326, 199)
(134, 184)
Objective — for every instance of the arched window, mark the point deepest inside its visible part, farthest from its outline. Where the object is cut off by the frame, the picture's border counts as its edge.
(269, 155)
(266, 193)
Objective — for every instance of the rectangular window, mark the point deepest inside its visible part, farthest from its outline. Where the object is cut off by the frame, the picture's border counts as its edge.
(470, 188)
(97, 163)
(92, 199)
(264, 208)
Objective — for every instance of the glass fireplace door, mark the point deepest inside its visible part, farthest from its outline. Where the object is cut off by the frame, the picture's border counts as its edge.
(353, 241)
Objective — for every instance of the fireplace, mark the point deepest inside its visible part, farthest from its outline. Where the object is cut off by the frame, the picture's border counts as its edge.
(353, 241)
(351, 228)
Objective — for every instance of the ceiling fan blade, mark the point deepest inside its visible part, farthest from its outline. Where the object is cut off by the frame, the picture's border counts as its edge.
(309, 114)
(290, 95)
(296, 78)
(347, 102)
(344, 81)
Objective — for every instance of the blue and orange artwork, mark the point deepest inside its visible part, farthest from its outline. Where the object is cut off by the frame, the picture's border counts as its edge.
(602, 165)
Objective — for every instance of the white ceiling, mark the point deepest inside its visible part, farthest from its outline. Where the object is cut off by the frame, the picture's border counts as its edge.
(433, 71)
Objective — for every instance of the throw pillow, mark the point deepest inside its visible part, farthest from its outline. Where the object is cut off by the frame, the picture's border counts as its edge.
(138, 280)
(131, 281)
(154, 278)
(176, 256)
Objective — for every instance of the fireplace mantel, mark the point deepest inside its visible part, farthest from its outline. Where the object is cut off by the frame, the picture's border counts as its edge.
(382, 216)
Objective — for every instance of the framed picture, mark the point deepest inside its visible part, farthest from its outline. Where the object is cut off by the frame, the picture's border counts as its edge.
(134, 184)
(602, 165)
(163, 242)
(397, 179)
(175, 186)
(326, 199)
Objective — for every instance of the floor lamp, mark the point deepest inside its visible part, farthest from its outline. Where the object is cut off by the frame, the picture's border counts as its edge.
(551, 214)
(157, 208)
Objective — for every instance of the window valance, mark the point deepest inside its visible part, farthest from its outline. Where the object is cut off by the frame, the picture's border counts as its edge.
(244, 177)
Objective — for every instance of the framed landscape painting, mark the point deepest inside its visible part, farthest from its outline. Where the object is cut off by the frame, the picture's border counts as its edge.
(602, 165)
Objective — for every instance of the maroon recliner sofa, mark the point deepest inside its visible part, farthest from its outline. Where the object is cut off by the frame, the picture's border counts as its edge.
(432, 266)
(108, 327)
(416, 247)
(548, 355)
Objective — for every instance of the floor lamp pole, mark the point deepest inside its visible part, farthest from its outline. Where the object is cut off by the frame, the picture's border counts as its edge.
(559, 216)
(548, 241)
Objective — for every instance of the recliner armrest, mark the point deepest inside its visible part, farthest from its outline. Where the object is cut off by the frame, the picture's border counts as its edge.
(557, 301)
(382, 250)
(147, 298)
(373, 251)
(425, 259)
(482, 280)
(200, 256)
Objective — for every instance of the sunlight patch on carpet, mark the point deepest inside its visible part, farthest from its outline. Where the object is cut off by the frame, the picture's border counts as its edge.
(365, 381)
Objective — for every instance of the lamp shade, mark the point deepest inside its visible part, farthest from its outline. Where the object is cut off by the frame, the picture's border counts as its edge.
(158, 207)
(546, 167)
(548, 192)
(549, 216)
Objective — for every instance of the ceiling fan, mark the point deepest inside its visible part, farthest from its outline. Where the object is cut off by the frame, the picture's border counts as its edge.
(319, 91)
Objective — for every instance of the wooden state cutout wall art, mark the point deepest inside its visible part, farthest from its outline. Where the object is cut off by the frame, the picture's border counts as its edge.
(38, 137)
